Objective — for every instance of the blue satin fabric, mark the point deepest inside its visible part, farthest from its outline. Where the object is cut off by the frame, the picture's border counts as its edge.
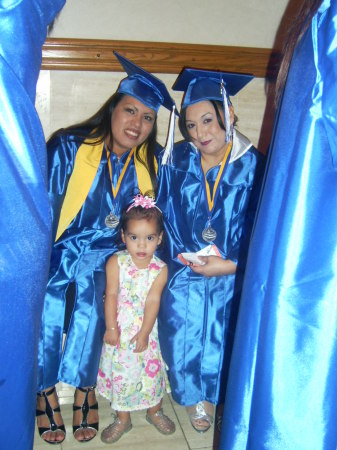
(282, 388)
(79, 256)
(25, 216)
(197, 314)
(143, 89)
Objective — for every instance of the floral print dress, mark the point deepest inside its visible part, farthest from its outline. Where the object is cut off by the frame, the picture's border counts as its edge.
(133, 381)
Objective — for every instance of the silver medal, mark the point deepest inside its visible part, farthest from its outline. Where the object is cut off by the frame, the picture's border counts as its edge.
(209, 234)
(111, 221)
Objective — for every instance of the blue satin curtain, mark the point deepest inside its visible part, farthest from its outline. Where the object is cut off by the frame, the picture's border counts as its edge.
(24, 214)
(282, 391)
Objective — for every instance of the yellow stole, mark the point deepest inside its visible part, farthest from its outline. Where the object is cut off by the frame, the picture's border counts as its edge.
(87, 160)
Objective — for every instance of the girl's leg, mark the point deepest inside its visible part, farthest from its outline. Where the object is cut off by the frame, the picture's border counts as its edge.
(156, 418)
(155, 409)
(115, 431)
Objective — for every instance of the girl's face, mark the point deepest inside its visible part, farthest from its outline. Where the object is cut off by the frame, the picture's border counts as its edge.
(131, 124)
(204, 129)
(141, 238)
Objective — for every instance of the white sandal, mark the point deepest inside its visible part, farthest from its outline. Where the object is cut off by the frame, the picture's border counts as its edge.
(200, 420)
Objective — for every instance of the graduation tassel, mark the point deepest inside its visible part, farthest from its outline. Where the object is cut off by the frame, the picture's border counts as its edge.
(167, 156)
(226, 113)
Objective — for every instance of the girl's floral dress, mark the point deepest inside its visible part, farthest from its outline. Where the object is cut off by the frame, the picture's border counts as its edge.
(133, 381)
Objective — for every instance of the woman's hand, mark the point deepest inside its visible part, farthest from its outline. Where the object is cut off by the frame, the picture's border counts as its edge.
(214, 266)
(141, 340)
(111, 337)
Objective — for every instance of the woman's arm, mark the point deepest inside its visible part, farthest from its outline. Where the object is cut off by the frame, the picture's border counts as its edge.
(214, 266)
(111, 335)
(152, 305)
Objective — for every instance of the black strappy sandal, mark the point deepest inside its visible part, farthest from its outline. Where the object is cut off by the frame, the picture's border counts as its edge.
(85, 410)
(49, 412)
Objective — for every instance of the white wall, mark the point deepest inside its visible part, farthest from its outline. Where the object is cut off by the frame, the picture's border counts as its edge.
(66, 97)
(250, 23)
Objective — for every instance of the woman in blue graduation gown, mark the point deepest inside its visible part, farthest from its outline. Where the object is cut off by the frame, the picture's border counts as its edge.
(95, 170)
(208, 195)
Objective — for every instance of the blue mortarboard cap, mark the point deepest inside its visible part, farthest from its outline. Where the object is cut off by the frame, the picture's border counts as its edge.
(201, 84)
(144, 86)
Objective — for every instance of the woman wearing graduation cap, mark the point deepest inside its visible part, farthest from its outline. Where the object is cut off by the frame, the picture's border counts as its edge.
(208, 192)
(95, 170)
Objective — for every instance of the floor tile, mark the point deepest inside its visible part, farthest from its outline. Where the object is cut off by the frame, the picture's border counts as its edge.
(143, 436)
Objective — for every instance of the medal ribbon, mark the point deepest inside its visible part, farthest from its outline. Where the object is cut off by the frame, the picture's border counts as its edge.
(211, 200)
(121, 176)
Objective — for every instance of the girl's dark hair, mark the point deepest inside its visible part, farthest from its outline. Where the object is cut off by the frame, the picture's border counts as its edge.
(138, 213)
(98, 127)
(218, 106)
(297, 30)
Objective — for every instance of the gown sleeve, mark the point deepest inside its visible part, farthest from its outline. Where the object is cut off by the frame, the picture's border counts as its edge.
(238, 251)
(61, 153)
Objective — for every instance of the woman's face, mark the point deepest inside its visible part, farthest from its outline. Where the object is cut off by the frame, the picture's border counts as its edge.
(131, 124)
(204, 129)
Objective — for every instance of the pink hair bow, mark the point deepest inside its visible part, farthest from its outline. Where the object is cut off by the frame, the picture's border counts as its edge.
(145, 202)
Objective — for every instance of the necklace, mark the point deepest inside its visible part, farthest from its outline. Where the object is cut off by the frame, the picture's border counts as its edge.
(112, 220)
(209, 234)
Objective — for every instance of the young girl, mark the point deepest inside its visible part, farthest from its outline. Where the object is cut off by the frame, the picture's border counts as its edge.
(132, 373)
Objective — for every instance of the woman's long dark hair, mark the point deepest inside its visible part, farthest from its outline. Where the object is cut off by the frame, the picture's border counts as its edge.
(297, 30)
(98, 127)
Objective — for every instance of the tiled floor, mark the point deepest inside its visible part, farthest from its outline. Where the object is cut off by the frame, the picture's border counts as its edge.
(142, 436)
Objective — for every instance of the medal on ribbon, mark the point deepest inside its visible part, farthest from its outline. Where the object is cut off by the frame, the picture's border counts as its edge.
(112, 220)
(209, 234)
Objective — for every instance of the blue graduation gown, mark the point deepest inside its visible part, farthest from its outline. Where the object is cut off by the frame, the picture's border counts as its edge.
(282, 389)
(24, 214)
(79, 256)
(197, 314)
